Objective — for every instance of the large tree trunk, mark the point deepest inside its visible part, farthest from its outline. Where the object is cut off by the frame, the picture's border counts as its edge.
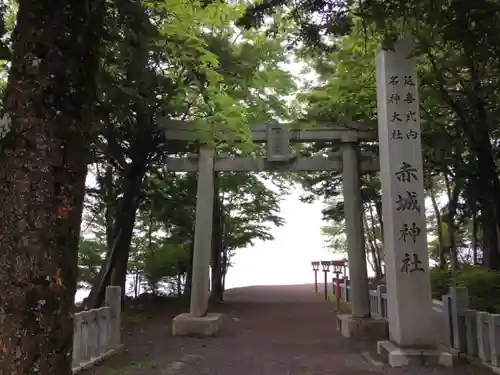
(488, 179)
(378, 210)
(490, 216)
(179, 284)
(114, 270)
(139, 33)
(370, 239)
(225, 266)
(137, 281)
(108, 190)
(225, 216)
(490, 239)
(439, 225)
(450, 218)
(50, 94)
(475, 117)
(119, 275)
(378, 250)
(216, 294)
(474, 239)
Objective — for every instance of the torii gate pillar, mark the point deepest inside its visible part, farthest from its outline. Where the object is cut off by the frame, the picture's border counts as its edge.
(353, 212)
(198, 322)
(358, 323)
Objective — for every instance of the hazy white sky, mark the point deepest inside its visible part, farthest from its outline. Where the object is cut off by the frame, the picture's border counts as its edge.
(287, 259)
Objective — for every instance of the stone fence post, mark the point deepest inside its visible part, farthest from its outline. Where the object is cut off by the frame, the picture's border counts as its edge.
(446, 304)
(103, 322)
(381, 290)
(483, 335)
(93, 338)
(459, 303)
(471, 332)
(113, 300)
(77, 338)
(494, 339)
(85, 353)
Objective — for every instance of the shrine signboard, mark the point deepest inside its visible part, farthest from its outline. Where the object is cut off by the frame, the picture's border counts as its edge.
(278, 143)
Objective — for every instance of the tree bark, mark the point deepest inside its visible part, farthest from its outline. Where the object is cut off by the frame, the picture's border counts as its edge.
(43, 158)
(490, 216)
(216, 294)
(225, 214)
(474, 239)
(490, 239)
(179, 284)
(474, 117)
(370, 237)
(139, 32)
(108, 190)
(452, 205)
(136, 284)
(378, 250)
(439, 224)
(488, 171)
(488, 180)
(107, 194)
(114, 271)
(378, 210)
(225, 266)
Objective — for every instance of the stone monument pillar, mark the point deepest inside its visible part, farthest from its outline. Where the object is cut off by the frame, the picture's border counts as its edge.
(358, 323)
(409, 301)
(198, 322)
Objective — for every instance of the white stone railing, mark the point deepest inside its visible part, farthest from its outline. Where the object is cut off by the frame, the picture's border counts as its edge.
(475, 334)
(478, 334)
(97, 332)
(378, 302)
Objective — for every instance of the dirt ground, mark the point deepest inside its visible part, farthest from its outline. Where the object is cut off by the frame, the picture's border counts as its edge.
(267, 330)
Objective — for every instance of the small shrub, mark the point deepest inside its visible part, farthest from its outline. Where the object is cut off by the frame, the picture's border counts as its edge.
(441, 280)
(483, 286)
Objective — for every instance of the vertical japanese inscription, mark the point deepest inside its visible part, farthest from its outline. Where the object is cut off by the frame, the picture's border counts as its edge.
(404, 114)
(408, 202)
(406, 173)
(411, 264)
(403, 118)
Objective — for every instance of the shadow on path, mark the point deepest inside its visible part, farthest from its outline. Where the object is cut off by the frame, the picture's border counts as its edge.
(267, 330)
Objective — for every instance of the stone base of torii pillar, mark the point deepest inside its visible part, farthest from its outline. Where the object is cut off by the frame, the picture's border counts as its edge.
(198, 326)
(349, 326)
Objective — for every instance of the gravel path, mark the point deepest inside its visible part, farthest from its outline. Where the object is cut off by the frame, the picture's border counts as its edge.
(268, 330)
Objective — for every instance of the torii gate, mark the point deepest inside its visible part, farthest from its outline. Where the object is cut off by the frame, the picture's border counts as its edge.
(409, 301)
(350, 161)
